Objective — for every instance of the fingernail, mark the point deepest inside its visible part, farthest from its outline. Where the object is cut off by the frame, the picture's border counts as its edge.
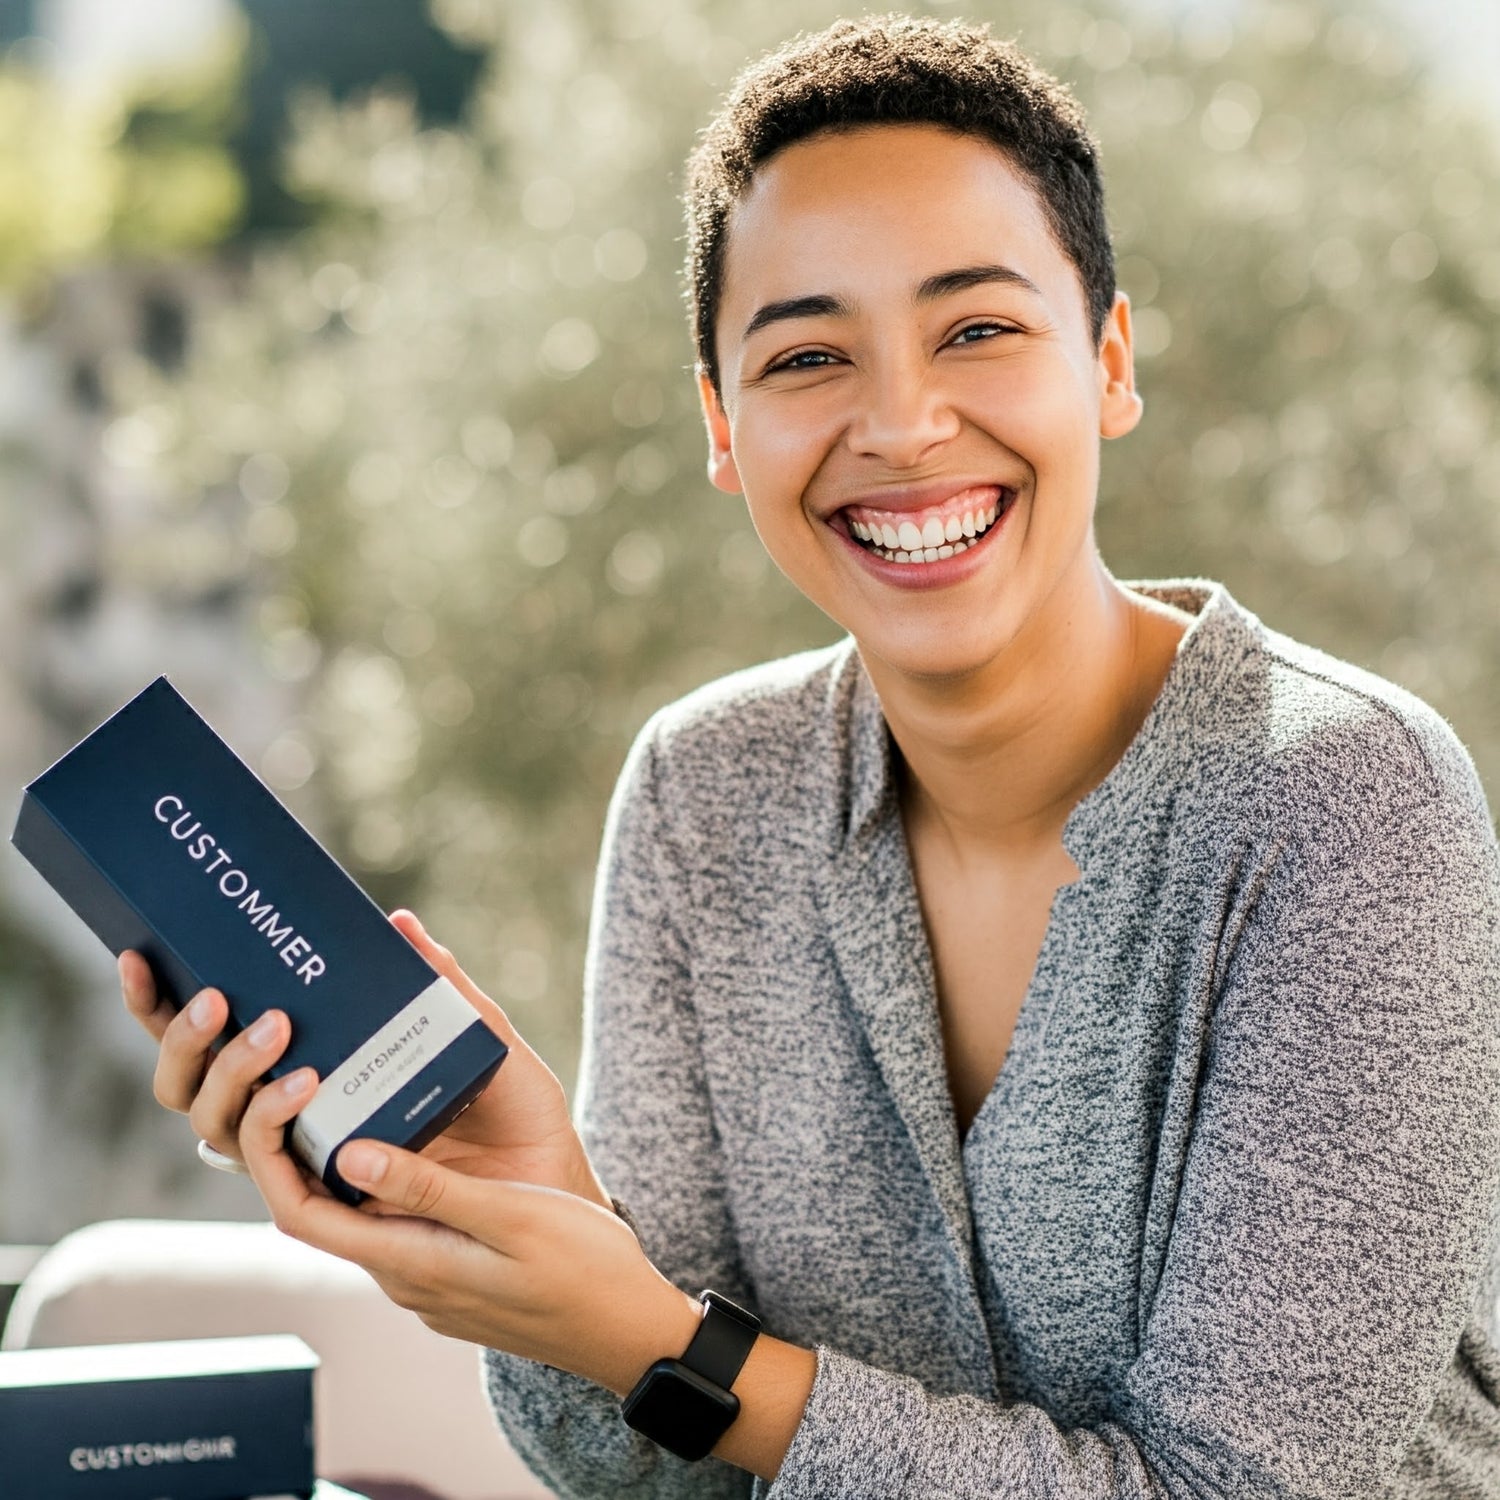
(296, 1083)
(201, 1009)
(263, 1033)
(362, 1163)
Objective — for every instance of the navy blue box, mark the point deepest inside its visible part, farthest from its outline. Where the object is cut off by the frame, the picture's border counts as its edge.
(163, 840)
(196, 1419)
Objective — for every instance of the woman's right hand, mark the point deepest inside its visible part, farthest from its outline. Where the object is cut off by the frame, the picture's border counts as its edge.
(211, 1089)
(518, 1129)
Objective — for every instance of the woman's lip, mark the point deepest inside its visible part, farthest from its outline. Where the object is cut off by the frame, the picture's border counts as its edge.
(921, 498)
(936, 574)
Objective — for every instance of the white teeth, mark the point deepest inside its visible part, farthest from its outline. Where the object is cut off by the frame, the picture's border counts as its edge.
(937, 538)
(925, 555)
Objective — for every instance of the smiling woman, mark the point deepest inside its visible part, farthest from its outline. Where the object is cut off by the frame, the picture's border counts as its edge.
(912, 381)
(1058, 1027)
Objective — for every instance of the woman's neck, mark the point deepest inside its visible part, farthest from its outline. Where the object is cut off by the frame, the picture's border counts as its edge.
(995, 761)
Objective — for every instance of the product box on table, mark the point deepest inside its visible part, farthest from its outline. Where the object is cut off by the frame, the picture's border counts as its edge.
(193, 1419)
(158, 835)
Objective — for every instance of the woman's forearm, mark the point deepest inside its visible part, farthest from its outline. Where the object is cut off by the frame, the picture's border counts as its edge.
(773, 1389)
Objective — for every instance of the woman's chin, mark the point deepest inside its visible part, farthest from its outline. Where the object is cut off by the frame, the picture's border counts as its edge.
(919, 658)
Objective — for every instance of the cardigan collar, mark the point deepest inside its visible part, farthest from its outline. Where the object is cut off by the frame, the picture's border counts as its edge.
(874, 918)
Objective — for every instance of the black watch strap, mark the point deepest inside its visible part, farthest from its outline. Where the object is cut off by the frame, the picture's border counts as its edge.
(686, 1404)
(723, 1341)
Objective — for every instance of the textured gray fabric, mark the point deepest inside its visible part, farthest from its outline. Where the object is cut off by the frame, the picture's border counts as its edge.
(1226, 1225)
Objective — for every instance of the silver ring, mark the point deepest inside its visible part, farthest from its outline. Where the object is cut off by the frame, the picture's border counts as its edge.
(209, 1157)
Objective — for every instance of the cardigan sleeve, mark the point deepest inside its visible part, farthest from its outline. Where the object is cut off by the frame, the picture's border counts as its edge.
(641, 1108)
(1333, 1227)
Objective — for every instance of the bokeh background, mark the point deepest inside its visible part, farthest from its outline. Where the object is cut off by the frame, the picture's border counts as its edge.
(345, 378)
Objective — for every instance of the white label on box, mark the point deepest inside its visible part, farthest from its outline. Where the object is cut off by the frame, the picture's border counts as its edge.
(379, 1068)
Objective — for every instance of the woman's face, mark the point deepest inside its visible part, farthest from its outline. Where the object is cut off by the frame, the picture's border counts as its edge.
(912, 403)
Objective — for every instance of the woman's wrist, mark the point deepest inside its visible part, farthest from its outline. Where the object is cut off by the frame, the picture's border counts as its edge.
(663, 1329)
(777, 1378)
(773, 1386)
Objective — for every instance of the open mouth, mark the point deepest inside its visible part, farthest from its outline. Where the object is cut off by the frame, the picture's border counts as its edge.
(930, 535)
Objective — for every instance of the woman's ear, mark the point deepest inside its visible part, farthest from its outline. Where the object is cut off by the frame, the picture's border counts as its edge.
(722, 473)
(1120, 405)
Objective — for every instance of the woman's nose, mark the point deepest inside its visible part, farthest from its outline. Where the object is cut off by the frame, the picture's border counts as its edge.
(902, 412)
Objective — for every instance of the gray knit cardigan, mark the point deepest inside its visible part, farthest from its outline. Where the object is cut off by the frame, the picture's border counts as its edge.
(1226, 1225)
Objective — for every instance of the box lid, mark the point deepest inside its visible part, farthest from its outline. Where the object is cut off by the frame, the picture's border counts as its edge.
(169, 1359)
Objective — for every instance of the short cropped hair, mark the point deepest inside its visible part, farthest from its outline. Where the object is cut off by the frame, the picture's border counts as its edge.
(897, 70)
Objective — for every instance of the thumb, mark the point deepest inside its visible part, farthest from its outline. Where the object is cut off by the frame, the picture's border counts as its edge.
(489, 1210)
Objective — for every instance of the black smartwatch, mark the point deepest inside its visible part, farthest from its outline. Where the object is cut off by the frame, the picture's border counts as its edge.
(686, 1404)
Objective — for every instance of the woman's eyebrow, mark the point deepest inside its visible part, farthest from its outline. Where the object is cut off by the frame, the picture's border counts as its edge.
(941, 284)
(947, 282)
(819, 305)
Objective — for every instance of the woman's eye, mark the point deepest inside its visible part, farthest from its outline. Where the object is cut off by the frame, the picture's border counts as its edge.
(983, 332)
(791, 361)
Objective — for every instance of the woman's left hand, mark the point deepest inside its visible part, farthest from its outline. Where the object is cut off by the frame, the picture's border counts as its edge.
(531, 1270)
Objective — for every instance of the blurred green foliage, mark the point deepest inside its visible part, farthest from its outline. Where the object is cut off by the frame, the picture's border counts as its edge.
(451, 426)
(140, 170)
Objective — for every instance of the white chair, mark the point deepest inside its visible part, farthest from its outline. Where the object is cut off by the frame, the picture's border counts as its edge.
(393, 1400)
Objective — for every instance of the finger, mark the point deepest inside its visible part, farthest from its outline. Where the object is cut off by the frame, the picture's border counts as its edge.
(300, 1205)
(283, 1181)
(138, 985)
(485, 1209)
(186, 1049)
(231, 1080)
(409, 925)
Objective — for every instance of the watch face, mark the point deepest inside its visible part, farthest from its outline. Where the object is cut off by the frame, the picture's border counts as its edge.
(679, 1409)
